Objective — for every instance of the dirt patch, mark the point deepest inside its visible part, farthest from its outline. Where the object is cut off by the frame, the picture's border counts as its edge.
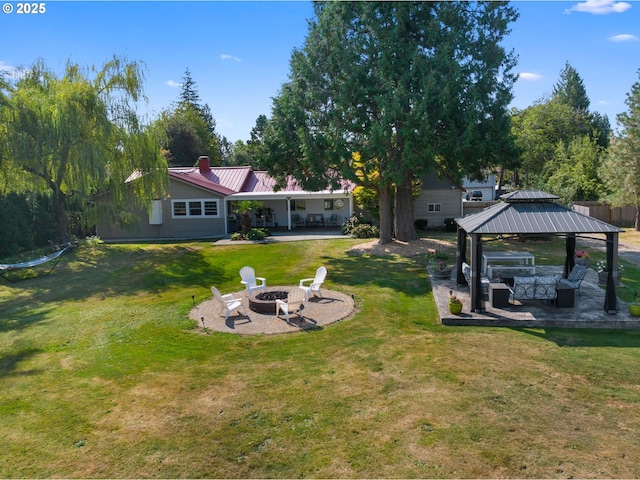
(405, 249)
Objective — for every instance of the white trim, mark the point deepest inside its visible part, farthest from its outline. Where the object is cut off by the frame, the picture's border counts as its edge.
(188, 215)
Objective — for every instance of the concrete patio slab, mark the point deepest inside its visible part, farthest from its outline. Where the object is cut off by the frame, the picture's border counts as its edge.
(588, 310)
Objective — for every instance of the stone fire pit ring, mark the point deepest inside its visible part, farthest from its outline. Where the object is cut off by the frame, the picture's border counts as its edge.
(264, 301)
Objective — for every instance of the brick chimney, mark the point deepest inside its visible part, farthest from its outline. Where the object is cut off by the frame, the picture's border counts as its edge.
(204, 164)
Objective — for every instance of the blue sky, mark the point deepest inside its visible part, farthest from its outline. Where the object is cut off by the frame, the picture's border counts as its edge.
(238, 52)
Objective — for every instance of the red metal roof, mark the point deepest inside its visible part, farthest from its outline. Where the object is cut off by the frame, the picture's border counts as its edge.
(231, 180)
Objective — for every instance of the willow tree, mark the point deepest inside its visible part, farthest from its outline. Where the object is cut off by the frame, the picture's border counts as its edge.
(409, 86)
(78, 134)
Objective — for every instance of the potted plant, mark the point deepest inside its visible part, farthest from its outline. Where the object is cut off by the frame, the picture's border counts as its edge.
(634, 307)
(455, 304)
(603, 269)
(437, 264)
(582, 257)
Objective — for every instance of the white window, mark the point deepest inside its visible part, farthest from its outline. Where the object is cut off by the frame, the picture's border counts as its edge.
(434, 207)
(195, 208)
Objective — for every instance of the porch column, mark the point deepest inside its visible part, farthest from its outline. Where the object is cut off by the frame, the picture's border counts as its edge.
(288, 200)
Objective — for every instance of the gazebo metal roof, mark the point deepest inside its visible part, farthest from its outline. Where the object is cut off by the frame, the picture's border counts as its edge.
(515, 216)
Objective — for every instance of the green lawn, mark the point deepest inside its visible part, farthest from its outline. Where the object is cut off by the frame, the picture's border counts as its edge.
(103, 375)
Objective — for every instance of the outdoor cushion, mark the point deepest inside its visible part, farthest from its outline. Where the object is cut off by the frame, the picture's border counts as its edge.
(546, 287)
(524, 287)
(577, 273)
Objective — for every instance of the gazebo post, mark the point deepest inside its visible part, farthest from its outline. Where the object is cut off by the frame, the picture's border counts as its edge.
(476, 268)
(610, 296)
(461, 252)
(569, 261)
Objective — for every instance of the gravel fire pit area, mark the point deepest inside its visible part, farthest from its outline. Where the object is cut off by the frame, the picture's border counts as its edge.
(317, 313)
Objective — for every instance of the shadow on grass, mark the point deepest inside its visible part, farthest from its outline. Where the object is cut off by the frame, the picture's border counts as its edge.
(587, 338)
(168, 270)
(406, 276)
(10, 362)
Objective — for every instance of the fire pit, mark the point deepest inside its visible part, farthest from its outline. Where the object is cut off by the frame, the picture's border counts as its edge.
(265, 302)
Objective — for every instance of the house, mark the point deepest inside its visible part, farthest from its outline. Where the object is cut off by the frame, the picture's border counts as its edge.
(487, 186)
(200, 204)
(439, 199)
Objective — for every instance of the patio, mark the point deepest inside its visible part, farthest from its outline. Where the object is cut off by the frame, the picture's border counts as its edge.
(588, 310)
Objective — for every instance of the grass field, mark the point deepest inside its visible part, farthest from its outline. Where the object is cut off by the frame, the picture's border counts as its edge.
(102, 375)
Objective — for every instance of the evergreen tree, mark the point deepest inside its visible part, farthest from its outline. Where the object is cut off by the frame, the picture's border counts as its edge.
(569, 90)
(407, 86)
(621, 169)
(191, 128)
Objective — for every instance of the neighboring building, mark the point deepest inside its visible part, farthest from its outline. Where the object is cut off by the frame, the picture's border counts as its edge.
(199, 204)
(486, 186)
(439, 199)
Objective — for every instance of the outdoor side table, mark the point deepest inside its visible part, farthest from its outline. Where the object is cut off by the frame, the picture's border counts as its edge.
(499, 295)
(564, 296)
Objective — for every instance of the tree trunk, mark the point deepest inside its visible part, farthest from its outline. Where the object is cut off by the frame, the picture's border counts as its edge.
(637, 222)
(384, 203)
(405, 229)
(61, 214)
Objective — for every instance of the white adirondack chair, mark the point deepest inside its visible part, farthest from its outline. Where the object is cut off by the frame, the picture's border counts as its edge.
(293, 305)
(249, 280)
(228, 302)
(316, 283)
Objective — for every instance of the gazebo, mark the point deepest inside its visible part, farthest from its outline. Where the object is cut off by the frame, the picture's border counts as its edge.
(532, 212)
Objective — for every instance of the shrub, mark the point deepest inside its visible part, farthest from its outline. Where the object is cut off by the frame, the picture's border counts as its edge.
(421, 223)
(236, 236)
(365, 230)
(349, 225)
(257, 234)
(450, 225)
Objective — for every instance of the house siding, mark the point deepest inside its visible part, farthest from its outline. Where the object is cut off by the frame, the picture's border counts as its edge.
(180, 228)
(437, 191)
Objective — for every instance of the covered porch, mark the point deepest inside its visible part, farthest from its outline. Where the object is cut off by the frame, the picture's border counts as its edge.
(292, 210)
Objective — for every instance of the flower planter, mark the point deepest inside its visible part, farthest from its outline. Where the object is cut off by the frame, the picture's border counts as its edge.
(602, 278)
(581, 261)
(455, 308)
(441, 273)
(634, 309)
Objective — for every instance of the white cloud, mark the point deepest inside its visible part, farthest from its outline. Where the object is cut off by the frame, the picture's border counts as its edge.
(599, 7)
(225, 56)
(529, 76)
(171, 83)
(7, 68)
(625, 37)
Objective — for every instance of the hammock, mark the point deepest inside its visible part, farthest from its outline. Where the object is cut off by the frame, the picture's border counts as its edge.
(9, 267)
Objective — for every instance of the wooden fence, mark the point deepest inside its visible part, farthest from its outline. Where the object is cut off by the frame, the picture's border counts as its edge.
(618, 216)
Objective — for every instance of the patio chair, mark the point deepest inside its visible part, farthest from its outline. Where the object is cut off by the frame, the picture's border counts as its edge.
(297, 220)
(249, 280)
(228, 302)
(575, 277)
(294, 304)
(333, 219)
(315, 284)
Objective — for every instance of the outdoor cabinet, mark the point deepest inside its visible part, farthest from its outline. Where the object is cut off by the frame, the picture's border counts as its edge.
(499, 295)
